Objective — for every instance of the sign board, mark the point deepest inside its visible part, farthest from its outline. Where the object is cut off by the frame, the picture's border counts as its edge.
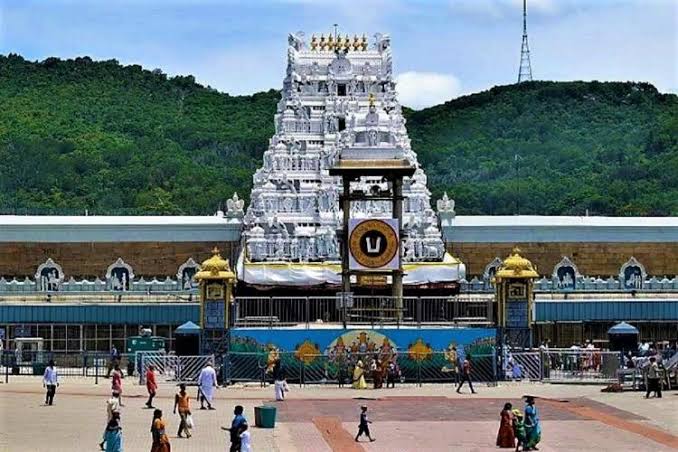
(365, 279)
(373, 244)
(516, 314)
(215, 314)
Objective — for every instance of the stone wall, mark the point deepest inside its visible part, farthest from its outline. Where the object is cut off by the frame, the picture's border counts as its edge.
(90, 260)
(591, 259)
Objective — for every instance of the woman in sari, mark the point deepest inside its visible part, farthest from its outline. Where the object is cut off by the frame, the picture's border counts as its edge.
(160, 440)
(506, 438)
(532, 425)
(359, 376)
(113, 434)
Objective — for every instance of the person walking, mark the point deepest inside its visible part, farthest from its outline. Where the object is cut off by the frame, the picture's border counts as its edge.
(151, 385)
(279, 381)
(161, 442)
(466, 375)
(116, 382)
(113, 435)
(506, 437)
(207, 381)
(182, 402)
(112, 411)
(518, 428)
(532, 425)
(654, 383)
(50, 380)
(238, 425)
(364, 427)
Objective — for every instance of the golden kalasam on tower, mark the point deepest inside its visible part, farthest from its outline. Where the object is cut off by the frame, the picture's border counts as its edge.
(516, 267)
(215, 267)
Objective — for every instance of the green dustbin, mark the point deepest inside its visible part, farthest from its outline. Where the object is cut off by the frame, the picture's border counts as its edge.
(264, 416)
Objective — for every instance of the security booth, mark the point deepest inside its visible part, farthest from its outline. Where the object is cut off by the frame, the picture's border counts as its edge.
(514, 282)
(142, 343)
(623, 338)
(216, 281)
(187, 339)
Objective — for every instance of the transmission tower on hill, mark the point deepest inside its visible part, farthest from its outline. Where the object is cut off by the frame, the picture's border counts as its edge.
(525, 71)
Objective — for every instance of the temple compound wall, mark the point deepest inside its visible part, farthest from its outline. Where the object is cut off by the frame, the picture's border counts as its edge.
(594, 259)
(566, 249)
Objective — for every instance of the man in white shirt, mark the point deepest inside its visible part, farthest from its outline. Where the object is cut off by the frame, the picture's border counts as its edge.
(654, 383)
(50, 380)
(207, 381)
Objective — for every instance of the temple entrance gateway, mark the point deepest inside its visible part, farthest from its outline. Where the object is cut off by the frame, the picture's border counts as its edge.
(338, 103)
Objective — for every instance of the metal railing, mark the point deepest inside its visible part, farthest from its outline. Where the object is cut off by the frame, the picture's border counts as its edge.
(564, 365)
(415, 367)
(373, 310)
(99, 297)
(68, 364)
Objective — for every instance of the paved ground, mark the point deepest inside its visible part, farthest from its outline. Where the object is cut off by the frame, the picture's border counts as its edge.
(318, 419)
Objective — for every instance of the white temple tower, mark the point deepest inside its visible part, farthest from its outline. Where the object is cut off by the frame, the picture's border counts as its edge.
(338, 93)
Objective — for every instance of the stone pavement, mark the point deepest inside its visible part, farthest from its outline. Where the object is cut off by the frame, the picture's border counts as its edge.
(319, 419)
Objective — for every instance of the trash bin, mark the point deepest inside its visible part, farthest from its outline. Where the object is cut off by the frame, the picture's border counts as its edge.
(264, 416)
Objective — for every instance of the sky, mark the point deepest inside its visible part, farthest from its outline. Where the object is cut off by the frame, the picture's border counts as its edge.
(441, 49)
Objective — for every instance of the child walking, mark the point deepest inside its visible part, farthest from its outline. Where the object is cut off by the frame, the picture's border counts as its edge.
(363, 427)
(519, 429)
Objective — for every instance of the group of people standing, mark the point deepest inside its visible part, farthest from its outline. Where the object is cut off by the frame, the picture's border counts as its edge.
(517, 429)
(379, 371)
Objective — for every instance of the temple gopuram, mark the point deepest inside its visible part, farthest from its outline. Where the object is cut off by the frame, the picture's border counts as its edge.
(338, 94)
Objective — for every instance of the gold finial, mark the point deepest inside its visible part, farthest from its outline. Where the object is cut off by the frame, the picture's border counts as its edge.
(216, 251)
(323, 43)
(363, 42)
(347, 43)
(356, 43)
(314, 42)
(330, 43)
(371, 99)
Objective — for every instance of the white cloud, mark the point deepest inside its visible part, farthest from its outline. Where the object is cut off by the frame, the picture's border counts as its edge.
(424, 89)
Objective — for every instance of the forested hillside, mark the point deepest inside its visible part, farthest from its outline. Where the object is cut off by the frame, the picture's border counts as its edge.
(79, 134)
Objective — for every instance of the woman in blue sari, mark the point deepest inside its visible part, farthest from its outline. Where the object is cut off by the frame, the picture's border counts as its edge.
(532, 425)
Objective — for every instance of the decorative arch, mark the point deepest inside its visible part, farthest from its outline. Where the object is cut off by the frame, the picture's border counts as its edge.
(186, 271)
(49, 275)
(119, 275)
(566, 274)
(632, 274)
(491, 269)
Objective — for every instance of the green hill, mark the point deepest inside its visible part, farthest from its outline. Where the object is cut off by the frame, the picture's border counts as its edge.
(79, 134)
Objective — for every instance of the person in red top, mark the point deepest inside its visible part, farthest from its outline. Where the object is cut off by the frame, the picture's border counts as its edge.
(116, 382)
(151, 385)
(466, 375)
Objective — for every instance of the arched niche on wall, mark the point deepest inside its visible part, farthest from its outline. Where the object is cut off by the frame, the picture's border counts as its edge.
(186, 272)
(49, 276)
(565, 274)
(632, 274)
(491, 269)
(119, 275)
